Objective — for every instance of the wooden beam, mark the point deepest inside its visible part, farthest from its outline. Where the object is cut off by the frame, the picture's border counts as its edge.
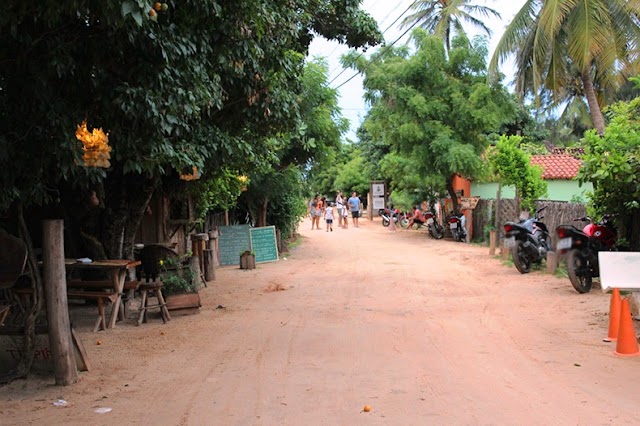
(60, 342)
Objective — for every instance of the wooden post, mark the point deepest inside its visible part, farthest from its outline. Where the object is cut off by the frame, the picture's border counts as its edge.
(552, 262)
(504, 252)
(209, 265)
(55, 286)
(498, 207)
(493, 238)
(213, 245)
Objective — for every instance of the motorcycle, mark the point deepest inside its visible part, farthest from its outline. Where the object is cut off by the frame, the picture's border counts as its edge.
(582, 247)
(430, 221)
(528, 240)
(435, 229)
(457, 227)
(388, 215)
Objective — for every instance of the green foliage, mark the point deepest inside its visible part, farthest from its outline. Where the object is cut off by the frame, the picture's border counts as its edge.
(220, 193)
(512, 166)
(433, 110)
(351, 176)
(177, 278)
(612, 164)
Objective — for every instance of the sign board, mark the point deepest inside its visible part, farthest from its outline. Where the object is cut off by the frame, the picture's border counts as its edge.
(469, 202)
(378, 203)
(233, 240)
(263, 243)
(377, 189)
(619, 269)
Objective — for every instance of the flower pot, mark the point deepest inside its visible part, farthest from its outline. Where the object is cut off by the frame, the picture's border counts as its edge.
(247, 261)
(183, 304)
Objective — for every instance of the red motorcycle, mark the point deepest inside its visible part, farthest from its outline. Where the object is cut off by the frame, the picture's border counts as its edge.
(582, 247)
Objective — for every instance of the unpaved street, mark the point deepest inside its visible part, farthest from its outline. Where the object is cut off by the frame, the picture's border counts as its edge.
(423, 331)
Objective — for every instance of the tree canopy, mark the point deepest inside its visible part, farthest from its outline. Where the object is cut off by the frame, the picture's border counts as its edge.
(200, 85)
(434, 108)
(612, 164)
(557, 42)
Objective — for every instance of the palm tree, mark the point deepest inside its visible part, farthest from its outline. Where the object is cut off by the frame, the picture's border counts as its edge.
(554, 39)
(442, 17)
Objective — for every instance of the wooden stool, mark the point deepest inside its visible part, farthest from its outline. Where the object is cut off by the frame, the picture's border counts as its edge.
(155, 288)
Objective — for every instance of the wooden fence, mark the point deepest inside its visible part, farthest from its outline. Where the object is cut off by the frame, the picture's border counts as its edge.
(556, 213)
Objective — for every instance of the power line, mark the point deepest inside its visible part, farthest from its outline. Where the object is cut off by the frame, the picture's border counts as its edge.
(387, 29)
(380, 55)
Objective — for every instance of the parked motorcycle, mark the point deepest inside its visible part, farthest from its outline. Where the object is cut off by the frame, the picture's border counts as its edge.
(457, 227)
(430, 221)
(388, 215)
(582, 247)
(528, 240)
(435, 229)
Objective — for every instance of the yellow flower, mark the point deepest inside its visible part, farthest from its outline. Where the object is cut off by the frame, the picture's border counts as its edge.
(161, 262)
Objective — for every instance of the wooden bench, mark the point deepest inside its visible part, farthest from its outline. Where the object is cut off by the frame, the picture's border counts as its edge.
(129, 288)
(100, 297)
(101, 285)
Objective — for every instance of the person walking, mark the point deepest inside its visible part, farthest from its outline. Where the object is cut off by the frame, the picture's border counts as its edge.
(345, 217)
(354, 206)
(319, 212)
(313, 205)
(328, 216)
(339, 206)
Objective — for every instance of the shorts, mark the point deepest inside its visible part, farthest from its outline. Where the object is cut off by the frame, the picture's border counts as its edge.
(355, 214)
(329, 221)
(418, 221)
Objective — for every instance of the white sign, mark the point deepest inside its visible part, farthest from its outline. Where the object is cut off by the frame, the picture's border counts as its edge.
(619, 269)
(378, 203)
(377, 190)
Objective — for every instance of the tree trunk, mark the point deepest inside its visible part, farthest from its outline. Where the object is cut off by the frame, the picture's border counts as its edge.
(126, 198)
(453, 195)
(592, 100)
(262, 213)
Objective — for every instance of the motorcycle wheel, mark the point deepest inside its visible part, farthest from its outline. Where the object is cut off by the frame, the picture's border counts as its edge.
(380, 212)
(385, 222)
(460, 236)
(436, 231)
(404, 223)
(579, 271)
(520, 258)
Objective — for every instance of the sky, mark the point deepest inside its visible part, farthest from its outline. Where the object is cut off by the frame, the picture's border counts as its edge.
(386, 12)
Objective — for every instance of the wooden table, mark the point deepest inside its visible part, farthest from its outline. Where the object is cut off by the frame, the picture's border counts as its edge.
(117, 270)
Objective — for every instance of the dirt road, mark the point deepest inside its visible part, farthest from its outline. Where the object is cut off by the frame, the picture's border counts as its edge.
(423, 331)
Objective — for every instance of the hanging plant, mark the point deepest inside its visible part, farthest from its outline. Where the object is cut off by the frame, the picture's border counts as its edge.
(95, 145)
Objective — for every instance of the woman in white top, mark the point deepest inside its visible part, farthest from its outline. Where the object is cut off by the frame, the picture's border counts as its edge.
(340, 206)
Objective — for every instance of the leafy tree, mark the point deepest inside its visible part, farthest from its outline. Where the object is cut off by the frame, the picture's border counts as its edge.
(434, 108)
(612, 164)
(351, 176)
(555, 41)
(445, 18)
(512, 166)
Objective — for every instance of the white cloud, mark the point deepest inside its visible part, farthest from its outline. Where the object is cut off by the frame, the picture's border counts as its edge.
(385, 13)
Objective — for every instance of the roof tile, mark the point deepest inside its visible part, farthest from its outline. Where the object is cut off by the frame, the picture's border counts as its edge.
(557, 166)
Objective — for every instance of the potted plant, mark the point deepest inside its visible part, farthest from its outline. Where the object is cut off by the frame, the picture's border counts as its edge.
(247, 260)
(180, 287)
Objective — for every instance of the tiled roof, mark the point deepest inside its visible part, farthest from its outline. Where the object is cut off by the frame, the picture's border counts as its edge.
(557, 166)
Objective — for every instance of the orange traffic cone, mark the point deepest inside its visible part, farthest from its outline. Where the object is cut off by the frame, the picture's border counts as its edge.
(614, 316)
(627, 341)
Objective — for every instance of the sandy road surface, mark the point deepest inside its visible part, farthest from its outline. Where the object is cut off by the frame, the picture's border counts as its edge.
(424, 331)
